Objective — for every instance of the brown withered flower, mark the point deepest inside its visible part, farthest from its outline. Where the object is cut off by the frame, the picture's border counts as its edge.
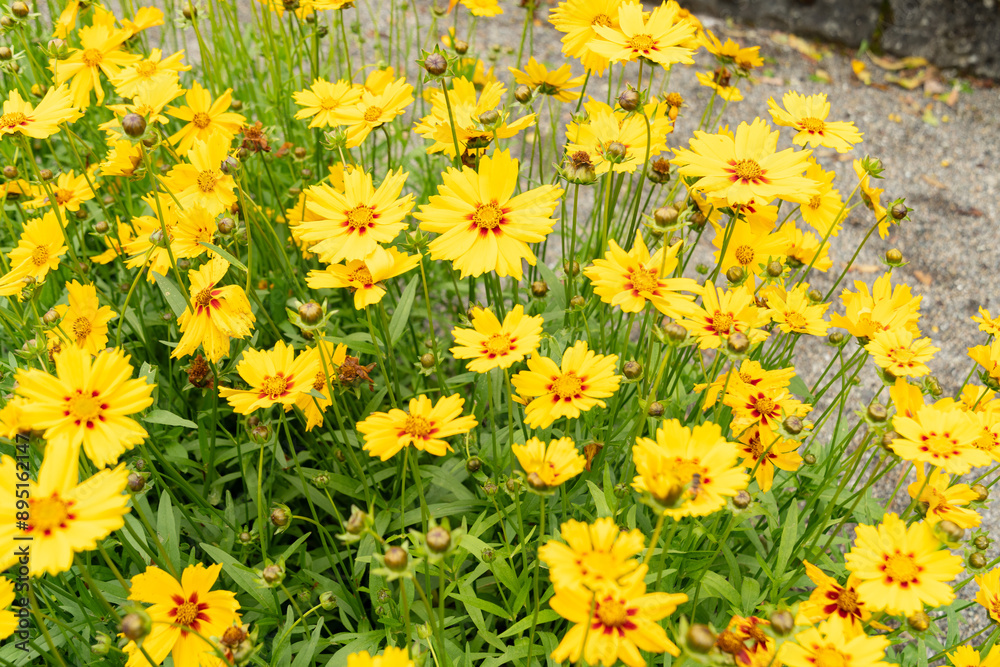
(351, 373)
(199, 373)
(254, 138)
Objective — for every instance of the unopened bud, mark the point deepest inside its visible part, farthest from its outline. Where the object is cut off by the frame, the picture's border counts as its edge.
(738, 343)
(978, 560)
(489, 117)
(741, 500)
(577, 302)
(102, 644)
(893, 256)
(489, 555)
(474, 464)
(629, 100)
(522, 94)
(320, 480)
(311, 312)
(793, 425)
(273, 574)
(632, 369)
(396, 559)
(782, 622)
(427, 360)
(539, 289)
(9, 171)
(675, 332)
(933, 386)
(700, 638)
(571, 267)
(438, 540)
(665, 215)
(19, 9)
(356, 522)
(45, 174)
(136, 625)
(982, 543)
(490, 488)
(279, 517)
(655, 409)
(735, 274)
(982, 493)
(536, 482)
(775, 269)
(919, 621)
(101, 227)
(226, 225)
(189, 12)
(134, 125)
(835, 338)
(245, 537)
(815, 295)
(616, 150)
(136, 482)
(50, 316)
(328, 600)
(809, 459)
(877, 412)
(461, 46)
(6, 53)
(899, 211)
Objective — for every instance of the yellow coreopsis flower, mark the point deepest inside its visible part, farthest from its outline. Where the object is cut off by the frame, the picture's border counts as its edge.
(750, 373)
(749, 248)
(606, 126)
(491, 344)
(902, 568)
(943, 501)
(763, 449)
(180, 606)
(731, 53)
(38, 122)
(630, 279)
(767, 405)
(833, 644)
(966, 656)
(322, 100)
(615, 623)
(987, 323)
(84, 322)
(803, 249)
(794, 311)
(577, 18)
(101, 51)
(577, 385)
(425, 426)
(38, 250)
(989, 592)
(373, 111)
(808, 115)
(883, 308)
(944, 437)
(833, 601)
(484, 8)
(329, 358)
(987, 356)
(549, 465)
(144, 18)
(723, 313)
(556, 83)
(872, 198)
(364, 277)
(68, 190)
(663, 37)
(275, 377)
(153, 70)
(65, 516)
(483, 225)
(351, 224)
(596, 555)
(900, 353)
(687, 472)
(147, 248)
(390, 657)
(88, 403)
(206, 119)
(122, 159)
(202, 182)
(221, 313)
(823, 209)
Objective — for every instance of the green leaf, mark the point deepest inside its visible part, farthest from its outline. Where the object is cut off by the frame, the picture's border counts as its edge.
(166, 526)
(168, 418)
(224, 255)
(789, 535)
(172, 293)
(402, 313)
(242, 575)
(602, 504)
(718, 586)
(303, 657)
(750, 596)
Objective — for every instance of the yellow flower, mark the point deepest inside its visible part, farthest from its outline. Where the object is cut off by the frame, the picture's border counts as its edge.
(390, 657)
(38, 251)
(202, 182)
(606, 126)
(719, 81)
(749, 248)
(577, 19)
(833, 644)
(123, 158)
(8, 620)
(275, 377)
(66, 22)
(794, 311)
(663, 37)
(329, 357)
(989, 592)
(687, 472)
(69, 191)
(87, 403)
(830, 600)
(221, 313)
(942, 500)
(144, 18)
(555, 82)
(154, 70)
(178, 606)
(481, 7)
(365, 276)
(595, 555)
(987, 323)
(966, 656)
(730, 53)
(425, 426)
(583, 379)
(750, 373)
(483, 226)
(84, 322)
(206, 120)
(20, 117)
(902, 568)
(351, 225)
(900, 353)
(722, 314)
(945, 438)
(101, 51)
(549, 465)
(765, 450)
(323, 99)
(801, 249)
(821, 211)
(767, 405)
(149, 102)
(872, 196)
(66, 516)
(492, 344)
(807, 114)
(987, 356)
(746, 166)
(373, 111)
(881, 309)
(147, 248)
(630, 279)
(624, 622)
(466, 109)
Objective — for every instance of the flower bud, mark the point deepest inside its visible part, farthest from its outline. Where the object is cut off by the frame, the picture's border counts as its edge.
(6, 53)
(396, 559)
(701, 268)
(877, 412)
(775, 269)
(675, 332)
(356, 522)
(700, 638)
(665, 215)
(741, 500)
(815, 295)
(735, 274)
(539, 289)
(226, 226)
(134, 125)
(782, 622)
(101, 227)
(933, 386)
(50, 316)
(698, 219)
(189, 12)
(809, 459)
(231, 165)
(792, 424)
(632, 369)
(655, 409)
(19, 9)
(899, 211)
(489, 117)
(489, 555)
(460, 46)
(893, 256)
(328, 600)
(982, 543)
(136, 482)
(738, 343)
(279, 516)
(311, 312)
(982, 493)
(427, 360)
(629, 100)
(615, 151)
(102, 644)
(9, 172)
(978, 561)
(951, 530)
(575, 267)
(46, 174)
(490, 488)
(522, 94)
(244, 537)
(320, 480)
(513, 485)
(577, 302)
(438, 539)
(919, 621)
(136, 625)
(536, 482)
(474, 464)
(273, 574)
(835, 338)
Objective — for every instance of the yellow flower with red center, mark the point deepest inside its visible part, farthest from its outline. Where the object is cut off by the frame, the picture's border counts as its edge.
(942, 501)
(945, 438)
(902, 568)
(763, 450)
(206, 119)
(37, 122)
(217, 314)
(833, 644)
(794, 311)
(566, 390)
(275, 377)
(329, 357)
(425, 426)
(807, 114)
(723, 313)
(185, 615)
(38, 250)
(624, 622)
(493, 344)
(202, 182)
(483, 225)
(364, 277)
(966, 656)
(549, 465)
(750, 373)
(833, 601)
(749, 248)
(630, 279)
(987, 356)
(556, 83)
(687, 472)
(68, 191)
(900, 353)
(84, 322)
(86, 403)
(577, 18)
(746, 166)
(768, 406)
(321, 101)
(351, 224)
(987, 323)
(731, 53)
(664, 37)
(989, 592)
(823, 211)
(595, 555)
(606, 127)
(65, 516)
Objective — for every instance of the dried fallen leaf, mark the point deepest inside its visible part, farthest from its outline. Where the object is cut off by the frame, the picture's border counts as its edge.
(925, 278)
(909, 83)
(866, 268)
(822, 76)
(894, 65)
(590, 451)
(930, 180)
(861, 72)
(771, 80)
